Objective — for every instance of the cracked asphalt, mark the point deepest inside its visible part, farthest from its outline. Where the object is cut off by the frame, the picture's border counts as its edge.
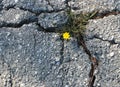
(31, 57)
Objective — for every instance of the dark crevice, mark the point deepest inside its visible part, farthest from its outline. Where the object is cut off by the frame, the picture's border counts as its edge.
(29, 10)
(10, 77)
(55, 10)
(18, 25)
(93, 60)
(11, 81)
(80, 39)
(50, 29)
(62, 52)
(106, 13)
(37, 13)
(81, 42)
(112, 42)
(9, 7)
(21, 8)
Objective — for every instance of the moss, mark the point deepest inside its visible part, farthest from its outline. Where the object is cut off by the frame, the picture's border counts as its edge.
(76, 23)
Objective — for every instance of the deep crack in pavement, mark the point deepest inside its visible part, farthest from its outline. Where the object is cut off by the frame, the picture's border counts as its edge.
(94, 61)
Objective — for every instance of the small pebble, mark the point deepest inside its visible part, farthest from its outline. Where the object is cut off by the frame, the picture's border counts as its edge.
(111, 54)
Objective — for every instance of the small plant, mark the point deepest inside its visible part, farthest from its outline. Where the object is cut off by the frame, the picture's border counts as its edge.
(76, 27)
(77, 23)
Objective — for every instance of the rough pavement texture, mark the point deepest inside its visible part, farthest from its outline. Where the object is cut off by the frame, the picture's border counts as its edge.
(32, 58)
(51, 20)
(104, 42)
(16, 17)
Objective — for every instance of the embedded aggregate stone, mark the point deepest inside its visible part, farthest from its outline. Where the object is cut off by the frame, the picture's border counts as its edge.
(51, 20)
(16, 16)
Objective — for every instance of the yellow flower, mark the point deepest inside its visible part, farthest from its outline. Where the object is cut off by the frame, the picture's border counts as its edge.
(66, 35)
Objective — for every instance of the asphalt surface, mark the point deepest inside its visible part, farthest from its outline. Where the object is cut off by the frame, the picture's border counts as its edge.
(30, 56)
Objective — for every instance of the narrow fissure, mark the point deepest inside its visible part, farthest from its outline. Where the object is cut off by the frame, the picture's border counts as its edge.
(18, 25)
(10, 77)
(52, 29)
(80, 40)
(110, 41)
(93, 60)
(106, 13)
(62, 52)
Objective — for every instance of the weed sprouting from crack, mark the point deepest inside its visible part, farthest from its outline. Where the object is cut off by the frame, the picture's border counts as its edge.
(76, 23)
(76, 27)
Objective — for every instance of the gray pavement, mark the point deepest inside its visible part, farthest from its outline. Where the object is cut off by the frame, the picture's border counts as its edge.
(32, 57)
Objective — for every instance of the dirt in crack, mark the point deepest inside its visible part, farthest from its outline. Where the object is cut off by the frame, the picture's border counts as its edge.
(93, 60)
